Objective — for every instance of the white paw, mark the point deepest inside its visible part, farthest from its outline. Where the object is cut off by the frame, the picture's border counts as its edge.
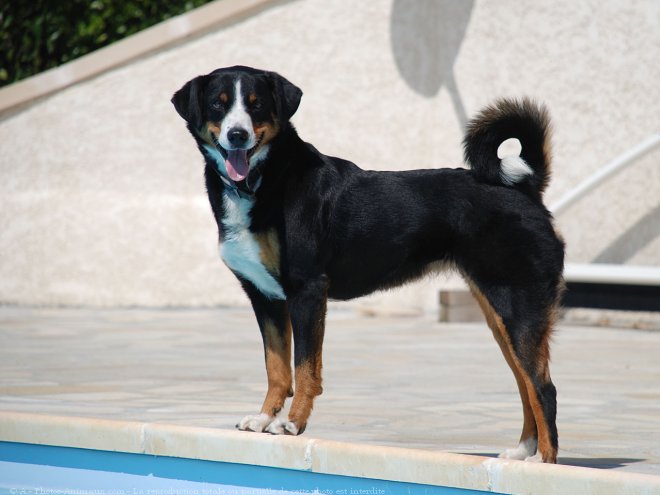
(523, 451)
(534, 458)
(255, 422)
(282, 427)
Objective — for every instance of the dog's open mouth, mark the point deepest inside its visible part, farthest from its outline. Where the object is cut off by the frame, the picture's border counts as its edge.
(237, 162)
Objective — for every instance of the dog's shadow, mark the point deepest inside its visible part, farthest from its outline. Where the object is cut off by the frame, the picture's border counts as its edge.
(588, 462)
(599, 462)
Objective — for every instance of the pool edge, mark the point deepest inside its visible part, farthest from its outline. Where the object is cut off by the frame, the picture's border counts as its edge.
(320, 456)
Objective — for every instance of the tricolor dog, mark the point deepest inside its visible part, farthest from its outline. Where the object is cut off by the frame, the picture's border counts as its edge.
(298, 227)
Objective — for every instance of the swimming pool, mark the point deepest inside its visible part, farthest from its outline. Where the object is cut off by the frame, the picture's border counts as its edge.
(38, 469)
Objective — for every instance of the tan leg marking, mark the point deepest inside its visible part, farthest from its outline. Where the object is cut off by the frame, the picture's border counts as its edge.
(534, 423)
(499, 332)
(308, 386)
(307, 378)
(278, 368)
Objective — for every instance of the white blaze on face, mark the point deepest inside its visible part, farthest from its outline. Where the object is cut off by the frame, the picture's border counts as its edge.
(237, 118)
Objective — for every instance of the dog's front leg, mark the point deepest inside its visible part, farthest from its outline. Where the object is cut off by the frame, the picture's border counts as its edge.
(275, 327)
(307, 307)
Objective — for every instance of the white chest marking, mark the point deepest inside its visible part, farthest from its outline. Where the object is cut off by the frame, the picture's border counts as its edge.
(241, 252)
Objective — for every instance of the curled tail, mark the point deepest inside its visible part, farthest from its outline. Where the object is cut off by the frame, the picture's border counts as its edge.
(521, 119)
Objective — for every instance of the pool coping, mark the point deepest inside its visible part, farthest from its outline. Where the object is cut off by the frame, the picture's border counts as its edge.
(320, 456)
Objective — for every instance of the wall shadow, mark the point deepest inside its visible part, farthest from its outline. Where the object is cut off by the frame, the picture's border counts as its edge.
(426, 37)
(634, 239)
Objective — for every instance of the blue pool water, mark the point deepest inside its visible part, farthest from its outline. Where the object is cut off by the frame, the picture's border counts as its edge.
(27, 469)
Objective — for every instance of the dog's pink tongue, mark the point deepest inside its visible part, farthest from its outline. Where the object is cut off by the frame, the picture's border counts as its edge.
(237, 164)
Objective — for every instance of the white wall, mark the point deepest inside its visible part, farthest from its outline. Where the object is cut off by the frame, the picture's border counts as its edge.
(102, 199)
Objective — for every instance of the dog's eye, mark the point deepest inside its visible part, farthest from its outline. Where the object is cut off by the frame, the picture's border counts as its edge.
(257, 105)
(216, 105)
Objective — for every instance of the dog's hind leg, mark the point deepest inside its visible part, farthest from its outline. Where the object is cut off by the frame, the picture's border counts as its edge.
(526, 350)
(307, 307)
(275, 327)
(528, 437)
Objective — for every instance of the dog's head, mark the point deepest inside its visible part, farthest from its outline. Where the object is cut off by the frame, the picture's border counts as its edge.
(234, 113)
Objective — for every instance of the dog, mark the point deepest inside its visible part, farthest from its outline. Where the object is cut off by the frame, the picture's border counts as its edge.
(298, 227)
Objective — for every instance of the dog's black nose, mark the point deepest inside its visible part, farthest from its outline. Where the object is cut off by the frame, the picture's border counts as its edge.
(237, 136)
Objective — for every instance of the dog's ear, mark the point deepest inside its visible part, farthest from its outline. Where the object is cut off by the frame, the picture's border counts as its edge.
(188, 100)
(286, 94)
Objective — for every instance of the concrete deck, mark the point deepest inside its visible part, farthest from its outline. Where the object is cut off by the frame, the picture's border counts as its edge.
(407, 382)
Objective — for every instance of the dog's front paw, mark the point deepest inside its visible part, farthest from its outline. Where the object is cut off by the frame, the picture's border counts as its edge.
(282, 427)
(525, 449)
(255, 422)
